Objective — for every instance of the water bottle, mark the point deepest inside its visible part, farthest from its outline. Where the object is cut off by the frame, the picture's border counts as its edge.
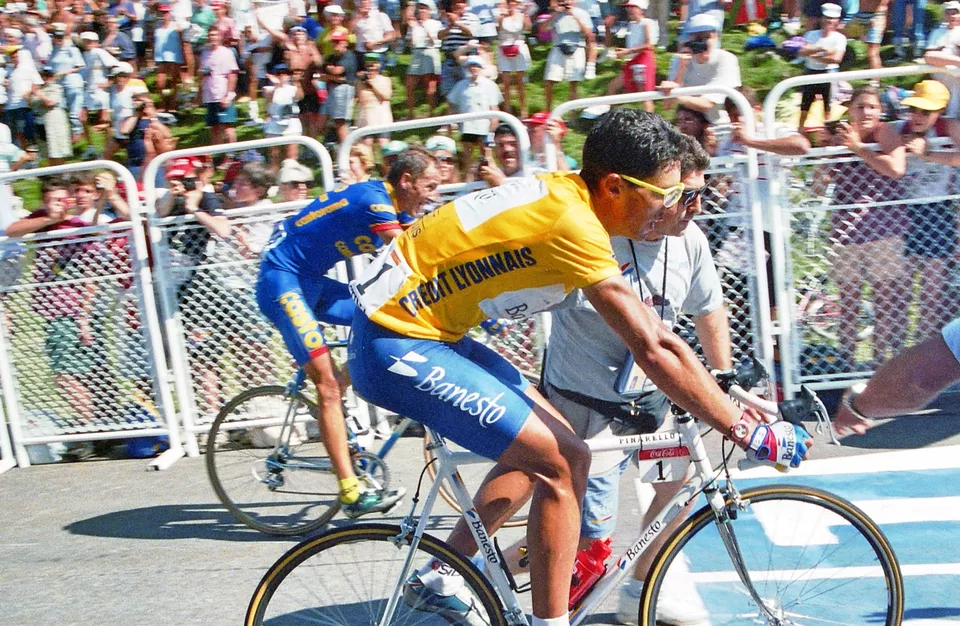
(588, 568)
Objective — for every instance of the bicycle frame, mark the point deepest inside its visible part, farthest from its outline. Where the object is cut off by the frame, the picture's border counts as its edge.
(683, 442)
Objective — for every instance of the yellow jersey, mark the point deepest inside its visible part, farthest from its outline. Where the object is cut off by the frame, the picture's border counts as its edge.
(504, 252)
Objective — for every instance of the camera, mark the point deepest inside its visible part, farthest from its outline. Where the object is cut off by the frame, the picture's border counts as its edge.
(831, 127)
(697, 46)
(189, 184)
(363, 75)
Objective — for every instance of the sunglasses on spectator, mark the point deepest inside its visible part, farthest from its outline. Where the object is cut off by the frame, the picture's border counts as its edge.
(445, 159)
(689, 196)
(297, 183)
(670, 195)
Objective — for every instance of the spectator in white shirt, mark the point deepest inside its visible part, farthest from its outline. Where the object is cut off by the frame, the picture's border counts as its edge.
(373, 29)
(513, 55)
(574, 47)
(472, 94)
(699, 63)
(822, 53)
(943, 50)
(96, 100)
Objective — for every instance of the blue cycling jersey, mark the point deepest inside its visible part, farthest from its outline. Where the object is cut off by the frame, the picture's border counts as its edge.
(335, 226)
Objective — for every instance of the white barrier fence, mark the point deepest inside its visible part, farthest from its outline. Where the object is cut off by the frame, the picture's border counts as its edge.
(217, 342)
(820, 245)
(81, 354)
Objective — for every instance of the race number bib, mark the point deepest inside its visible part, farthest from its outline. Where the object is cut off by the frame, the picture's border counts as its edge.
(381, 280)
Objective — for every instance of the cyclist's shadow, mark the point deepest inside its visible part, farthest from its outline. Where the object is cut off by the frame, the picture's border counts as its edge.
(169, 521)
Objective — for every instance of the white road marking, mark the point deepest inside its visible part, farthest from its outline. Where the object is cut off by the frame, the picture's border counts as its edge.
(944, 457)
(867, 571)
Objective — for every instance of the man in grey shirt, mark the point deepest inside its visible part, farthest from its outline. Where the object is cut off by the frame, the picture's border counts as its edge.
(672, 272)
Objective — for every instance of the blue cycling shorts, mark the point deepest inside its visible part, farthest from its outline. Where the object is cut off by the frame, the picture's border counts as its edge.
(463, 390)
(297, 304)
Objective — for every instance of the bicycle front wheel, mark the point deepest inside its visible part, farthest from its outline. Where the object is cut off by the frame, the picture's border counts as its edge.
(813, 558)
(275, 479)
(349, 576)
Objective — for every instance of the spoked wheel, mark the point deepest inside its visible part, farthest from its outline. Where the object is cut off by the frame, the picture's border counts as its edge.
(472, 475)
(288, 489)
(348, 577)
(813, 558)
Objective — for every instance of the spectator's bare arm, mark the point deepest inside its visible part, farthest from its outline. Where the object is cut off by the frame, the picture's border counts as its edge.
(792, 145)
(713, 332)
(28, 225)
(941, 58)
(216, 224)
(890, 161)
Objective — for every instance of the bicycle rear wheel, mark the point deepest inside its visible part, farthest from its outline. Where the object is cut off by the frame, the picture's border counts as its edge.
(289, 491)
(813, 558)
(472, 475)
(348, 575)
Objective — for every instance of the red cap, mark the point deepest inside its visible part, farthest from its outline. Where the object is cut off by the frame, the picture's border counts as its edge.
(164, 8)
(541, 118)
(338, 36)
(200, 161)
(179, 168)
(217, 4)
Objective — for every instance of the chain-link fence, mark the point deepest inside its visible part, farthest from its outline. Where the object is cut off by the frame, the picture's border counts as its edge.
(872, 261)
(78, 337)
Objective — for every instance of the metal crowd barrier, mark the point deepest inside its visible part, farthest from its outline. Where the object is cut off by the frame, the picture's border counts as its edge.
(218, 341)
(81, 355)
(447, 192)
(826, 340)
(732, 221)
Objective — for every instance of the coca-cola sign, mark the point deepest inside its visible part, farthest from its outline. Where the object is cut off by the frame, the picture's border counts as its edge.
(664, 453)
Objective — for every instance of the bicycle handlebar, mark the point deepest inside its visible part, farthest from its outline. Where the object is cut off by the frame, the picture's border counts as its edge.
(746, 375)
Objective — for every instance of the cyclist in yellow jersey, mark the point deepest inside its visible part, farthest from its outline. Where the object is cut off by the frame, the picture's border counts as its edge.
(510, 252)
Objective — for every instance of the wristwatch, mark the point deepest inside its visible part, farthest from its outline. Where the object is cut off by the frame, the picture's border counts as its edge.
(850, 396)
(740, 431)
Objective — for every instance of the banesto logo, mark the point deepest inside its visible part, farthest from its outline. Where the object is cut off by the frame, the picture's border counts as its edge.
(487, 410)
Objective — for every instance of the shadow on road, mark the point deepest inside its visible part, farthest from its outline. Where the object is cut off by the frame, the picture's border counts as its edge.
(201, 521)
(909, 432)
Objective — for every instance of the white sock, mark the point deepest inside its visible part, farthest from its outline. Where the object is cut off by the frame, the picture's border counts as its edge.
(563, 620)
(440, 578)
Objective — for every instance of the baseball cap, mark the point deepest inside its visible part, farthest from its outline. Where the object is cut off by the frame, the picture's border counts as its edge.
(439, 142)
(541, 118)
(59, 29)
(640, 4)
(474, 60)
(13, 33)
(164, 8)
(217, 4)
(951, 5)
(179, 168)
(333, 9)
(48, 69)
(89, 35)
(372, 56)
(428, 3)
(298, 29)
(339, 35)
(830, 10)
(393, 148)
(293, 172)
(121, 68)
(702, 23)
(928, 95)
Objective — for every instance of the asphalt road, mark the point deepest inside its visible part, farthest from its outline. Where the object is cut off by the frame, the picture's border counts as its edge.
(106, 542)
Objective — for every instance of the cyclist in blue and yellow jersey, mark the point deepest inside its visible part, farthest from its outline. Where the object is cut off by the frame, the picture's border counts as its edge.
(509, 252)
(294, 293)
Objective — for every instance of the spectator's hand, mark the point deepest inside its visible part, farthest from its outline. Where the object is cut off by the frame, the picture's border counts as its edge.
(683, 59)
(667, 86)
(554, 130)
(846, 423)
(849, 137)
(916, 146)
(106, 181)
(710, 141)
(193, 199)
(739, 134)
(57, 212)
(176, 188)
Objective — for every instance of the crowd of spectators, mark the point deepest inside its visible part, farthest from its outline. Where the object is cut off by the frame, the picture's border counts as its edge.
(124, 74)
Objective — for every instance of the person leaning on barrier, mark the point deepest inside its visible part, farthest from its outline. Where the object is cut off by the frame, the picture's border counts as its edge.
(506, 150)
(672, 272)
(904, 384)
(867, 238)
(932, 240)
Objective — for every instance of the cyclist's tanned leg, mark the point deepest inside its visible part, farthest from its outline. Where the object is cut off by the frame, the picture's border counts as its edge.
(548, 455)
(333, 427)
